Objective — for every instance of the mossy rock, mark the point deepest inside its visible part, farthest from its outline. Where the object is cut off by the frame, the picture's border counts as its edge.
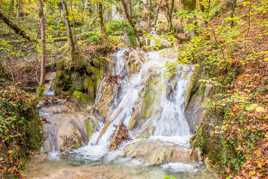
(151, 96)
(89, 126)
(79, 80)
(81, 96)
(193, 79)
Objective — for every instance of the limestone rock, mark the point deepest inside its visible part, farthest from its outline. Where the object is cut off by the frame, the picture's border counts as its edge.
(155, 152)
(65, 127)
(120, 135)
(195, 111)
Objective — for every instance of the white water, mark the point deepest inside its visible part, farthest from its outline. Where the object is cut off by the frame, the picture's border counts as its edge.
(169, 122)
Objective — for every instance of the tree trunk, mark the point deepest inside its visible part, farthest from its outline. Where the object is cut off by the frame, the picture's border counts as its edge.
(19, 8)
(130, 21)
(14, 27)
(43, 42)
(69, 29)
(157, 14)
(170, 9)
(11, 7)
(171, 14)
(233, 7)
(102, 25)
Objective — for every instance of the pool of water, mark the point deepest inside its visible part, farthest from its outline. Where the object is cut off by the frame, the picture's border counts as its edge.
(63, 169)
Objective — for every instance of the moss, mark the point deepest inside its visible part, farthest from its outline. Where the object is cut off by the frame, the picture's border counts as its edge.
(193, 80)
(89, 128)
(80, 96)
(60, 64)
(226, 151)
(40, 90)
(3, 74)
(79, 80)
(150, 98)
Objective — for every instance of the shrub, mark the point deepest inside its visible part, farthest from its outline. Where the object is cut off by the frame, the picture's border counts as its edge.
(20, 129)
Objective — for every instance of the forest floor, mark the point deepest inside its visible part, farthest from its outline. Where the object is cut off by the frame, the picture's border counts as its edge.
(251, 84)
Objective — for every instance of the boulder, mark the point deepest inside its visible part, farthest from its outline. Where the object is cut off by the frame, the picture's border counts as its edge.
(120, 135)
(195, 111)
(155, 152)
(66, 127)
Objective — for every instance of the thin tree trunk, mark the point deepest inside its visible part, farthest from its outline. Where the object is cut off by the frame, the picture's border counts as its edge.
(157, 14)
(234, 3)
(14, 27)
(11, 7)
(19, 8)
(69, 29)
(249, 17)
(102, 25)
(130, 21)
(151, 13)
(169, 13)
(43, 42)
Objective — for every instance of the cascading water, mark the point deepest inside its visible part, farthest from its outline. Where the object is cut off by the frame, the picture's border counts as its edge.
(138, 123)
(167, 120)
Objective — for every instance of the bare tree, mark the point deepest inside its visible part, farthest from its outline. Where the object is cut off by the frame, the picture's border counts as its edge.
(43, 42)
(69, 29)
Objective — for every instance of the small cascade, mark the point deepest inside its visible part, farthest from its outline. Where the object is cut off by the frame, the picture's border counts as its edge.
(48, 86)
(152, 100)
(121, 75)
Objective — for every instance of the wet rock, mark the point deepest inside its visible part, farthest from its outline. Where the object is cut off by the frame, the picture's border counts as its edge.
(195, 111)
(134, 61)
(155, 152)
(105, 97)
(66, 126)
(151, 97)
(134, 116)
(193, 80)
(120, 135)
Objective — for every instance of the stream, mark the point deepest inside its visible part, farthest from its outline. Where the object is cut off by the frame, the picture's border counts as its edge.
(143, 132)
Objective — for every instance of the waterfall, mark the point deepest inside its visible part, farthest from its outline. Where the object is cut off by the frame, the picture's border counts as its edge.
(168, 101)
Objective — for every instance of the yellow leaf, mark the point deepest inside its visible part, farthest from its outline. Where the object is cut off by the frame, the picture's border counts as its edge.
(251, 107)
(260, 109)
(252, 173)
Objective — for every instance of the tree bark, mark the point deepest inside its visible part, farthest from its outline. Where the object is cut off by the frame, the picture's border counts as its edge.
(130, 21)
(11, 7)
(169, 13)
(14, 27)
(102, 25)
(157, 13)
(69, 29)
(233, 7)
(43, 42)
(19, 8)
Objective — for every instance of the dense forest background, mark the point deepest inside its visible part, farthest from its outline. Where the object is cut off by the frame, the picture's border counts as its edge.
(228, 39)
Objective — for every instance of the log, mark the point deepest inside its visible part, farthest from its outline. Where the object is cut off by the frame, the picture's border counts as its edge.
(14, 27)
